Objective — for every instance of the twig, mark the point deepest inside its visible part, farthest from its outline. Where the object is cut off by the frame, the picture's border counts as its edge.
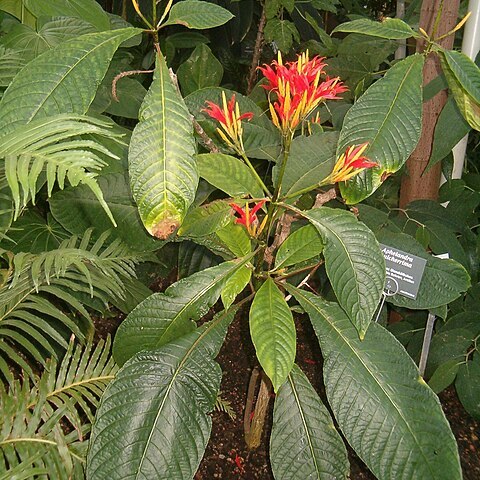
(207, 141)
(323, 198)
(283, 228)
(125, 74)
(305, 280)
(257, 52)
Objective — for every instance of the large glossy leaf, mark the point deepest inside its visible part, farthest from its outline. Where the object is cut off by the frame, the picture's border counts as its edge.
(152, 422)
(450, 129)
(163, 317)
(388, 116)
(301, 245)
(273, 332)
(200, 70)
(88, 10)
(443, 280)
(77, 209)
(304, 442)
(229, 174)
(236, 238)
(311, 159)
(385, 410)
(50, 33)
(61, 80)
(198, 15)
(463, 78)
(32, 233)
(390, 28)
(163, 172)
(235, 285)
(354, 263)
(468, 385)
(206, 219)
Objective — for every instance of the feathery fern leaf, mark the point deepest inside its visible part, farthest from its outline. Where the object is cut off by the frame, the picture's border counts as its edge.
(33, 443)
(54, 148)
(39, 308)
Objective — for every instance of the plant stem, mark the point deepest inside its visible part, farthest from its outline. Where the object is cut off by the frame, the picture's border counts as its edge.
(255, 174)
(286, 152)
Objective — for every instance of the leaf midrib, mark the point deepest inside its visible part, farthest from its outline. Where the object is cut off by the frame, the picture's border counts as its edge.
(170, 386)
(40, 105)
(355, 354)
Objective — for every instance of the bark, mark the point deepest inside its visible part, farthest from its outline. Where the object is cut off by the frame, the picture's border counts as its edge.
(416, 184)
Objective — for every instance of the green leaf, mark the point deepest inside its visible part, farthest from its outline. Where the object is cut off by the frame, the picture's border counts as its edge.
(200, 70)
(235, 285)
(311, 160)
(451, 127)
(198, 15)
(229, 174)
(463, 78)
(130, 94)
(388, 116)
(236, 238)
(32, 43)
(206, 219)
(193, 258)
(390, 28)
(273, 332)
(163, 172)
(444, 375)
(67, 78)
(164, 317)
(304, 442)
(31, 233)
(77, 209)
(282, 32)
(443, 280)
(18, 10)
(465, 70)
(376, 393)
(468, 386)
(88, 10)
(153, 421)
(301, 245)
(354, 263)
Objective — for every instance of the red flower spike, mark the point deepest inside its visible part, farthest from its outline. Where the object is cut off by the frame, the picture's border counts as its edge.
(350, 164)
(230, 120)
(248, 217)
(298, 89)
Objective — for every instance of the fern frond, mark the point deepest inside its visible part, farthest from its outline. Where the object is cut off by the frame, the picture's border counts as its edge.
(39, 306)
(53, 146)
(31, 435)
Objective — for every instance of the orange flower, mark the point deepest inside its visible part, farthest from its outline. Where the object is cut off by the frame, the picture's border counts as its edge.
(230, 120)
(298, 89)
(349, 164)
(248, 217)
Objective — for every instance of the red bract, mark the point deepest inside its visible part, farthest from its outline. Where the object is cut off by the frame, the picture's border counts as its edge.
(248, 217)
(349, 164)
(230, 120)
(298, 89)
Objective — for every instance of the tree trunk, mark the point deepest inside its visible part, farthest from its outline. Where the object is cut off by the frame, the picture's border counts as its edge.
(416, 184)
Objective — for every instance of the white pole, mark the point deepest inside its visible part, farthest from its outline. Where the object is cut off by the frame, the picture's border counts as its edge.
(470, 47)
